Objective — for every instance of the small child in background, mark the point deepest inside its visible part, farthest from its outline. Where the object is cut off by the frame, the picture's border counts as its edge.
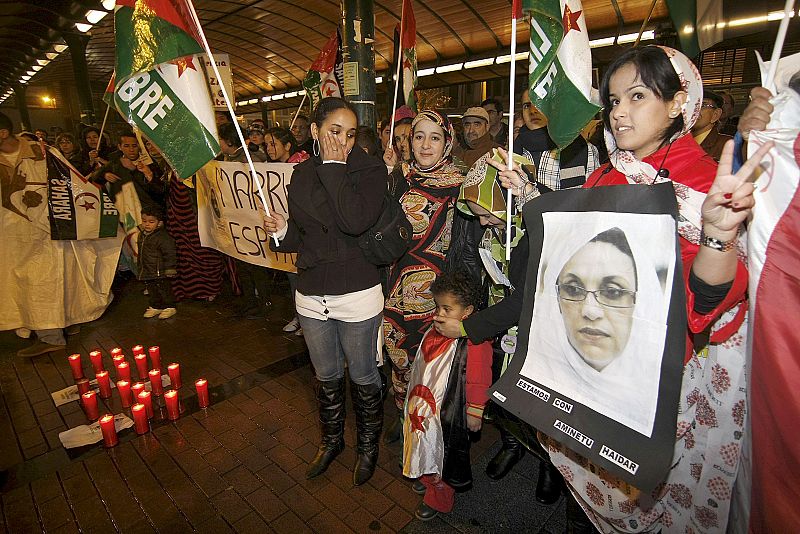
(445, 401)
(156, 263)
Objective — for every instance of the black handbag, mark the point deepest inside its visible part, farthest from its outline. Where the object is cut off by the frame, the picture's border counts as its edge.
(390, 237)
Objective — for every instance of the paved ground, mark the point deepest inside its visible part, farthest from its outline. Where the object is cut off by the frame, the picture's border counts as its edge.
(237, 466)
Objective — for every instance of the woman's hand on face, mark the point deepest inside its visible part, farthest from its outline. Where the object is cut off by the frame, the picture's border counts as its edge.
(513, 179)
(448, 327)
(757, 113)
(331, 149)
(390, 157)
(474, 423)
(730, 199)
(274, 223)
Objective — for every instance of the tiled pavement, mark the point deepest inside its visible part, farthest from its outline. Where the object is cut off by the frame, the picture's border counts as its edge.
(237, 466)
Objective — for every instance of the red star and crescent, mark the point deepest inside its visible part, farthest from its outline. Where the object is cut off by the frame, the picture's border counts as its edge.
(426, 395)
(184, 63)
(87, 205)
(570, 20)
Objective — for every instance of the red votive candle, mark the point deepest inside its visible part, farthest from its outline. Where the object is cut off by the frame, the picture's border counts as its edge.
(174, 370)
(155, 382)
(109, 431)
(124, 388)
(83, 385)
(201, 384)
(116, 352)
(75, 364)
(104, 383)
(89, 402)
(137, 388)
(97, 360)
(171, 399)
(138, 349)
(141, 366)
(155, 357)
(140, 422)
(123, 371)
(146, 398)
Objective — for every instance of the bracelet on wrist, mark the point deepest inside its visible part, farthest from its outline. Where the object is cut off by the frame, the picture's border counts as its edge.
(717, 244)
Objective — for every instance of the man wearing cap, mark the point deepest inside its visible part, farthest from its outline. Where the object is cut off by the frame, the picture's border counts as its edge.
(705, 130)
(477, 137)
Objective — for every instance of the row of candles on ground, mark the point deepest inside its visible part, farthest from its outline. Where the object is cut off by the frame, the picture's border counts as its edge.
(133, 396)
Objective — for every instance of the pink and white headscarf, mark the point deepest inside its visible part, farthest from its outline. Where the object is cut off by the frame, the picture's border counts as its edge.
(639, 172)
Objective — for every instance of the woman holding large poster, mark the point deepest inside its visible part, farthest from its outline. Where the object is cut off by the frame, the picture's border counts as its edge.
(652, 97)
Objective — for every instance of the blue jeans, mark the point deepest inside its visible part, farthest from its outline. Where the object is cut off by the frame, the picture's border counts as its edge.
(332, 342)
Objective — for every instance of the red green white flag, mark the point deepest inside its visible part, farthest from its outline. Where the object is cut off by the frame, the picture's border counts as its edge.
(321, 80)
(160, 86)
(408, 47)
(560, 71)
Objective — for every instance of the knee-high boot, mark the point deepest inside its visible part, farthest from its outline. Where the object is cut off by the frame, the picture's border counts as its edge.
(368, 404)
(330, 398)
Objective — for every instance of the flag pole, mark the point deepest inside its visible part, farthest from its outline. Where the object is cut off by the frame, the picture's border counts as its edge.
(305, 95)
(232, 112)
(769, 83)
(510, 153)
(399, 60)
(103, 127)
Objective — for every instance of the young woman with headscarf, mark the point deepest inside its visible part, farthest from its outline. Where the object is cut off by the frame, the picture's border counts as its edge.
(652, 97)
(427, 188)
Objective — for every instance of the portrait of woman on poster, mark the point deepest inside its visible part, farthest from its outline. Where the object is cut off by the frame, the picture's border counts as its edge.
(600, 312)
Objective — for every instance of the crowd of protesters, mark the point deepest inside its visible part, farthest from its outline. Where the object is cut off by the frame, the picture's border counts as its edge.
(436, 299)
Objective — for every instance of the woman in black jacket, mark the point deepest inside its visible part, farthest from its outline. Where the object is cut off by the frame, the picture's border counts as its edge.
(334, 197)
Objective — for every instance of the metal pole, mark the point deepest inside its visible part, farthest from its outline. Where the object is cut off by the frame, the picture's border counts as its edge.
(358, 54)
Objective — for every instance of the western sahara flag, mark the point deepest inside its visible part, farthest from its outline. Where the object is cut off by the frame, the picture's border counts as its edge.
(773, 243)
(323, 79)
(160, 86)
(560, 71)
(408, 46)
(78, 209)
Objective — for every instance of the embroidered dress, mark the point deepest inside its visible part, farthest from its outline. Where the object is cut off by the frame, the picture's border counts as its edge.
(695, 496)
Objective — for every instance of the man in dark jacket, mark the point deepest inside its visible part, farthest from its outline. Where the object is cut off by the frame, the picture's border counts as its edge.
(128, 165)
(476, 135)
(157, 263)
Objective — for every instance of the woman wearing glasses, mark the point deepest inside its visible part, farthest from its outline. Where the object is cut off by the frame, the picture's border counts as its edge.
(600, 314)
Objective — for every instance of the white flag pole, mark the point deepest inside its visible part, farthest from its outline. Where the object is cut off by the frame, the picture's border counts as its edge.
(769, 83)
(510, 162)
(305, 95)
(399, 60)
(232, 112)
(103, 128)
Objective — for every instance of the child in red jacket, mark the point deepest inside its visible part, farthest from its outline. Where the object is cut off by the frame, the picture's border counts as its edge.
(447, 393)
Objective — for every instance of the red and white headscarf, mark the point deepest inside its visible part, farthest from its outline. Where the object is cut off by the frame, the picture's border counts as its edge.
(639, 172)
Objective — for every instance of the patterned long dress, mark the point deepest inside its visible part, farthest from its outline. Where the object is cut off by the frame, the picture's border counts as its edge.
(200, 270)
(429, 204)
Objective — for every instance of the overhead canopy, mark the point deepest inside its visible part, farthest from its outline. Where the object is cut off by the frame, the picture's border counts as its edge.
(272, 43)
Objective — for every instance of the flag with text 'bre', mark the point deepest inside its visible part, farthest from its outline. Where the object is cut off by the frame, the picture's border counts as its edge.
(324, 77)
(560, 72)
(160, 86)
(77, 208)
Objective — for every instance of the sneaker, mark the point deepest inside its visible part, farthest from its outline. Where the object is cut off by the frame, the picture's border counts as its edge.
(38, 348)
(299, 332)
(167, 313)
(151, 312)
(292, 326)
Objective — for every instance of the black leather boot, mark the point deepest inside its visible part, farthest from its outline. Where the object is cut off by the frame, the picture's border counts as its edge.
(510, 453)
(330, 398)
(577, 522)
(368, 404)
(395, 431)
(549, 484)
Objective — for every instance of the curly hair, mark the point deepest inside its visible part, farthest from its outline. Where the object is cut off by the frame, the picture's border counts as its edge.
(460, 285)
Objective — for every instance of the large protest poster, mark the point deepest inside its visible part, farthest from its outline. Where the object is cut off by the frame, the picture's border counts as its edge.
(601, 343)
(230, 212)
